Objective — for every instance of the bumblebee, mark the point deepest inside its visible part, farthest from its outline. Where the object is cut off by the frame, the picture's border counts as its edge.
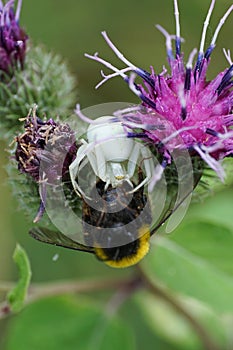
(111, 216)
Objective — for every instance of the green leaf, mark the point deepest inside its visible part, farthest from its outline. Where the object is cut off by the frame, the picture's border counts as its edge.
(173, 327)
(195, 265)
(133, 312)
(216, 209)
(212, 242)
(167, 324)
(60, 323)
(17, 295)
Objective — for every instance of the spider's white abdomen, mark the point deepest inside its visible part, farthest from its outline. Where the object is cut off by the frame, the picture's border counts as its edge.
(111, 138)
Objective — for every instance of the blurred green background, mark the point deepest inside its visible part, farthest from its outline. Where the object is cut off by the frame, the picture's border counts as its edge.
(73, 28)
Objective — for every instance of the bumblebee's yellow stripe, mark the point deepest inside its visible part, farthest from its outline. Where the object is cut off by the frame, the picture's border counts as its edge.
(129, 260)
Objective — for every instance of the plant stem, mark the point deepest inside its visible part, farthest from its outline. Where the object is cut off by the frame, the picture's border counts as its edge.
(6, 286)
(37, 291)
(43, 290)
(122, 294)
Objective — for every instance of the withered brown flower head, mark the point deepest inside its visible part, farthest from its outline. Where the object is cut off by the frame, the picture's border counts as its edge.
(49, 141)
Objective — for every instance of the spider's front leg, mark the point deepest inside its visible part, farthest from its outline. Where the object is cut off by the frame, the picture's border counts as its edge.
(147, 161)
(77, 165)
(74, 168)
(95, 157)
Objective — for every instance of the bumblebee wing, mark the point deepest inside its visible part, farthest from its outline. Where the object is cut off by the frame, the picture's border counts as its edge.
(169, 213)
(45, 235)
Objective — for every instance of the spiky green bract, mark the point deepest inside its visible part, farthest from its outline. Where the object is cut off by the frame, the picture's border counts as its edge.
(45, 81)
(25, 191)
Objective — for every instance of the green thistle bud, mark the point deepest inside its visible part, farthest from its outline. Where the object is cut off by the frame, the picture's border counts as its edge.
(45, 81)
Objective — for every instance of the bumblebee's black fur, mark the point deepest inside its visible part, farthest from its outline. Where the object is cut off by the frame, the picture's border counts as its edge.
(113, 216)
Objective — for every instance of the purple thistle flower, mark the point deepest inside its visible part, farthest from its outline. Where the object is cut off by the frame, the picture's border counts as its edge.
(12, 37)
(181, 109)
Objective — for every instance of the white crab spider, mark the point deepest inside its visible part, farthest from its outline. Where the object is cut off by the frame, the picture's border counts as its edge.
(107, 148)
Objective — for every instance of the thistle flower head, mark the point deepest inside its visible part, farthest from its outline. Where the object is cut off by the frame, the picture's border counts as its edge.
(50, 142)
(181, 108)
(33, 145)
(12, 37)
